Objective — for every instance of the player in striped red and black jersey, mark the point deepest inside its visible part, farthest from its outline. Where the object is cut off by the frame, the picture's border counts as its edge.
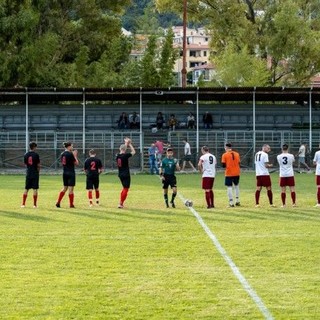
(32, 162)
(69, 158)
(93, 168)
(122, 160)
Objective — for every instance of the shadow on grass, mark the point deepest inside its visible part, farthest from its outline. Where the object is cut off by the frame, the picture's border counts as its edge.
(134, 213)
(26, 216)
(105, 215)
(270, 214)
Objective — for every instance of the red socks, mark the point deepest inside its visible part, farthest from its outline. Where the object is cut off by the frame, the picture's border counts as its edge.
(71, 198)
(257, 196)
(61, 195)
(283, 198)
(24, 198)
(123, 195)
(90, 196)
(212, 198)
(269, 192)
(209, 198)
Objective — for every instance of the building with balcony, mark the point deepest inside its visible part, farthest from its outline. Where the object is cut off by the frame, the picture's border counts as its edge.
(197, 48)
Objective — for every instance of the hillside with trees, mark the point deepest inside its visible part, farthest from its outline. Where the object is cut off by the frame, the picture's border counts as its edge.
(139, 8)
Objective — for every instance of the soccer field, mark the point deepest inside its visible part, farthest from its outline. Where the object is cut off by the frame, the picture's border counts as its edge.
(150, 262)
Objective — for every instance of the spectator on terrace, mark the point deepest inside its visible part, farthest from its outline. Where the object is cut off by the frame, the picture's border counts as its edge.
(123, 122)
(173, 122)
(207, 120)
(160, 120)
(191, 121)
(134, 120)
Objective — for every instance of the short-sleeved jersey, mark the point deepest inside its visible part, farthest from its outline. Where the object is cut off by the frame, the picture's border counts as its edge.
(92, 166)
(260, 160)
(187, 149)
(159, 145)
(316, 159)
(32, 161)
(168, 165)
(67, 160)
(208, 162)
(302, 151)
(285, 161)
(231, 159)
(122, 160)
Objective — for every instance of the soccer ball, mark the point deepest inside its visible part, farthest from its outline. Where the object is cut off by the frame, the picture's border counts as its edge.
(188, 203)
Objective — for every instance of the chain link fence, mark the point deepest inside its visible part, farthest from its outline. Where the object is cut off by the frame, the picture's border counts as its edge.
(106, 144)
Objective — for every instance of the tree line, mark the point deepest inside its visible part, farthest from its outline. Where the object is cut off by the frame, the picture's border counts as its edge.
(79, 43)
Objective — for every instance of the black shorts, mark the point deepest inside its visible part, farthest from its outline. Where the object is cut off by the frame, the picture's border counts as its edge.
(32, 183)
(229, 181)
(69, 179)
(126, 181)
(169, 180)
(92, 182)
(187, 157)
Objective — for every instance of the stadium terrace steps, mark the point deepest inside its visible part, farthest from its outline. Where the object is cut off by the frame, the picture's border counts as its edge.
(104, 117)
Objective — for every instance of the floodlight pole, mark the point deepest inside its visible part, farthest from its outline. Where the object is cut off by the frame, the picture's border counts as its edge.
(310, 119)
(27, 120)
(184, 46)
(83, 123)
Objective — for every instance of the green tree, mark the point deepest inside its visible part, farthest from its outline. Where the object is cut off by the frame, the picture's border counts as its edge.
(47, 42)
(239, 68)
(167, 60)
(158, 61)
(148, 65)
(284, 34)
(148, 22)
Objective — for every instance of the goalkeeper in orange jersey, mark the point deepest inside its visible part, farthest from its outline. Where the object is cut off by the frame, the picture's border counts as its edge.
(231, 162)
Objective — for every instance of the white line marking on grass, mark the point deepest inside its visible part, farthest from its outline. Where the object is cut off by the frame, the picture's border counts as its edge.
(245, 284)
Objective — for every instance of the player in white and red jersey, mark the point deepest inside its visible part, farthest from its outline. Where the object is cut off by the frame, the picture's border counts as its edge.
(286, 160)
(262, 174)
(207, 166)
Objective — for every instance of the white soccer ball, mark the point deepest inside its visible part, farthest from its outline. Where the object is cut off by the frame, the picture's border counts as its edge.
(188, 203)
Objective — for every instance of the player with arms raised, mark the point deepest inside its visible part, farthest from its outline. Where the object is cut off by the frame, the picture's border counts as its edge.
(167, 173)
(32, 162)
(286, 160)
(207, 166)
(92, 168)
(122, 160)
(262, 174)
(69, 158)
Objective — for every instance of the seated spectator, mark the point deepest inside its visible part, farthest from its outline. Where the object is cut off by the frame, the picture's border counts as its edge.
(207, 120)
(160, 120)
(191, 122)
(134, 120)
(123, 122)
(173, 122)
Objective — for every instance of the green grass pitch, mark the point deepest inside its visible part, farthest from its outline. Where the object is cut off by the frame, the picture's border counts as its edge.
(150, 262)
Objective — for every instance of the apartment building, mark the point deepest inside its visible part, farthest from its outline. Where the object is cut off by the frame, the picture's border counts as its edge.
(197, 48)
